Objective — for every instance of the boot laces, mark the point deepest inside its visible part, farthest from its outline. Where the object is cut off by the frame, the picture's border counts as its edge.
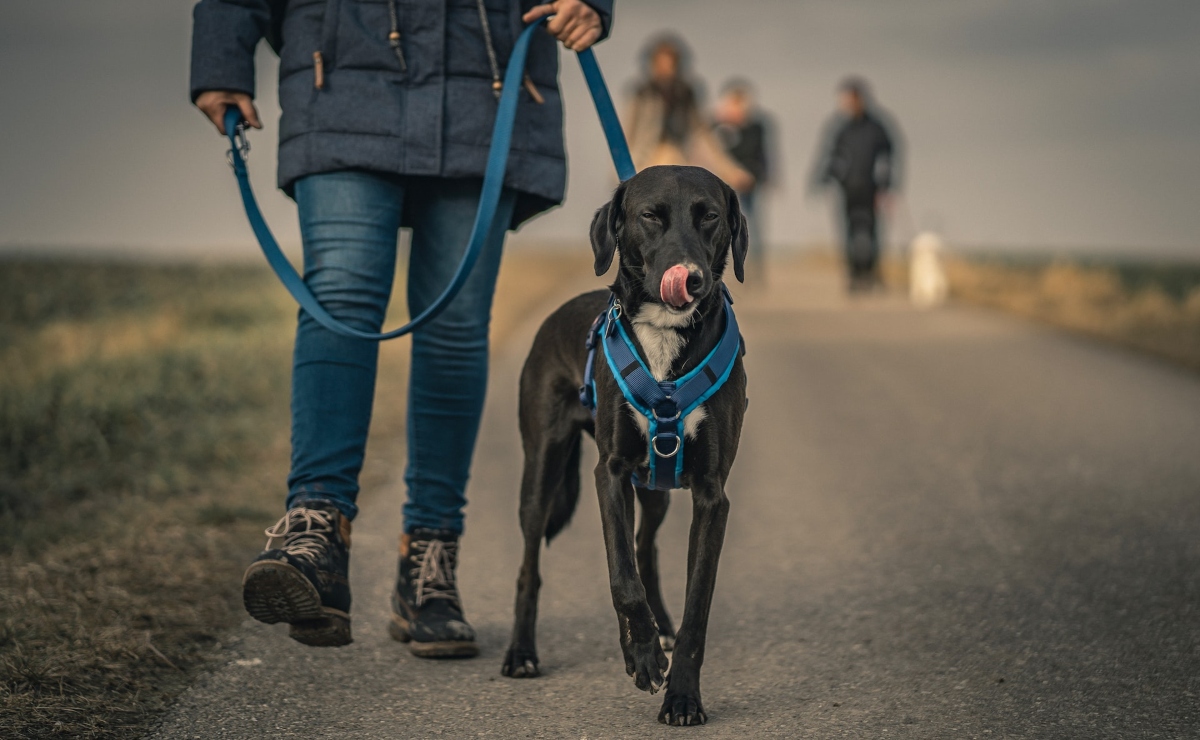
(435, 579)
(303, 533)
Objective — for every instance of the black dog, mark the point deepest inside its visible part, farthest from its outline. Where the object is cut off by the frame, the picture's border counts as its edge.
(674, 228)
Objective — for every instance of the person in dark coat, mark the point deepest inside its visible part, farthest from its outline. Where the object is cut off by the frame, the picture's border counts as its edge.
(745, 131)
(387, 115)
(860, 158)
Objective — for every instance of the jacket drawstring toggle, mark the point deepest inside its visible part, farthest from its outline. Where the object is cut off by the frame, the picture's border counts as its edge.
(394, 36)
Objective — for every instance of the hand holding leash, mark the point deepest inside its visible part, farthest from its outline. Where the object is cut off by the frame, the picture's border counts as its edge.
(575, 23)
(213, 103)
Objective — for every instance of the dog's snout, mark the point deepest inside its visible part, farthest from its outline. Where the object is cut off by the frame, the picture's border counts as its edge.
(674, 286)
(681, 284)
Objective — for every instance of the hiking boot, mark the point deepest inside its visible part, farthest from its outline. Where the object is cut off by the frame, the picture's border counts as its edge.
(426, 609)
(301, 576)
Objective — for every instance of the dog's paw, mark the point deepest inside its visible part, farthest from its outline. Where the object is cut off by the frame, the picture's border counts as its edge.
(647, 663)
(682, 710)
(520, 662)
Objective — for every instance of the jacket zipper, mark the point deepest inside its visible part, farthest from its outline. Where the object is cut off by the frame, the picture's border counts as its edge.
(318, 70)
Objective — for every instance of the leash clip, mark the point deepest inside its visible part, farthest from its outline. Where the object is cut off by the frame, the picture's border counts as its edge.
(614, 317)
(241, 142)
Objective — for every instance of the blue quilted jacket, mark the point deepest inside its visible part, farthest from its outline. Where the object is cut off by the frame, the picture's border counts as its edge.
(349, 102)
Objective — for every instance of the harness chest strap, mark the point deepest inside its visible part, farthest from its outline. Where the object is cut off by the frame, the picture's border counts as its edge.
(664, 403)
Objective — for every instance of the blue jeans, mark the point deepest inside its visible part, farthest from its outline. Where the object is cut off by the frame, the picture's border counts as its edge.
(349, 223)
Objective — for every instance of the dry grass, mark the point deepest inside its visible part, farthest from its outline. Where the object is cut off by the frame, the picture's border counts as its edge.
(140, 451)
(1154, 308)
(143, 447)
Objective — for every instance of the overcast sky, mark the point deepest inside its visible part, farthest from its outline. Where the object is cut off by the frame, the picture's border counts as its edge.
(1060, 124)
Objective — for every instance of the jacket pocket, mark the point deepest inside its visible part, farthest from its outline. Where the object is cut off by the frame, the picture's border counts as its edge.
(362, 36)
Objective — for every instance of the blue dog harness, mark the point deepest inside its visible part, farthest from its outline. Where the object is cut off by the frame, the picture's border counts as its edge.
(664, 403)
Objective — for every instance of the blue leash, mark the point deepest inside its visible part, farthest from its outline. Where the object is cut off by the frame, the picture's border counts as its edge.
(489, 198)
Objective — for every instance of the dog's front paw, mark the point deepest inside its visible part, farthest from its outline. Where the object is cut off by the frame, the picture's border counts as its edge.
(520, 662)
(647, 663)
(682, 709)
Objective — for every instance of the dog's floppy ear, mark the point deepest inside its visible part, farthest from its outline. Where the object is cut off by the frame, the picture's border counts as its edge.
(606, 225)
(739, 234)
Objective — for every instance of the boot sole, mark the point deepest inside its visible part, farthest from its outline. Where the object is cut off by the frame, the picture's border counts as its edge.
(398, 629)
(333, 630)
(275, 592)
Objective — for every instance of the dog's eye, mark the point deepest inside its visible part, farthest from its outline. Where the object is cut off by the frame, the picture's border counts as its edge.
(711, 215)
(649, 216)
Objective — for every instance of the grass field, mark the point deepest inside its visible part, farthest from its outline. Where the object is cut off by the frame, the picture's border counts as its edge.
(1153, 307)
(143, 448)
(140, 451)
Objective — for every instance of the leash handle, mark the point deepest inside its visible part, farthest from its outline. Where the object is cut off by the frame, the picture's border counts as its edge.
(489, 197)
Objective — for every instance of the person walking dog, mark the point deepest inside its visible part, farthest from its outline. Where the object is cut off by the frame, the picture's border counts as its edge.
(860, 156)
(387, 114)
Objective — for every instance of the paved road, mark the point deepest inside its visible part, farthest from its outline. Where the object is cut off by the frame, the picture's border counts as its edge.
(947, 524)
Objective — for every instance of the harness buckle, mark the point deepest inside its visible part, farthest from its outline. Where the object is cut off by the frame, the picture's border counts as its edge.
(660, 453)
(241, 142)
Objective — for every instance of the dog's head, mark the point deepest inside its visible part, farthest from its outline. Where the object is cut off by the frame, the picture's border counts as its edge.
(674, 228)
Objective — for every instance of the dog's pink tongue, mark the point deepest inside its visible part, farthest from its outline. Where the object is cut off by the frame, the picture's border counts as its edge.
(674, 286)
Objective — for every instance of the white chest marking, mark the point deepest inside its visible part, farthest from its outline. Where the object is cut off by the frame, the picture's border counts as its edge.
(655, 327)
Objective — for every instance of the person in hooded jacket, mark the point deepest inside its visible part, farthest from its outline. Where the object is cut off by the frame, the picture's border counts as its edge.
(665, 123)
(387, 115)
(860, 156)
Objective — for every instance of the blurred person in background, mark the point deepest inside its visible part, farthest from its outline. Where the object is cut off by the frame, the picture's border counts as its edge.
(386, 124)
(860, 156)
(745, 132)
(665, 124)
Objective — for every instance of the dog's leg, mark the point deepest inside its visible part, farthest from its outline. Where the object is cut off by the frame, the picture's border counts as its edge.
(644, 657)
(654, 510)
(710, 511)
(545, 480)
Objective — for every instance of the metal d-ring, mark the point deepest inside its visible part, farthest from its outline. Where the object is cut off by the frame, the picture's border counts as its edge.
(665, 418)
(241, 141)
(672, 453)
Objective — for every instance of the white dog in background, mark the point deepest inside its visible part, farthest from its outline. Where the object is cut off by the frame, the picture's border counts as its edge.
(927, 285)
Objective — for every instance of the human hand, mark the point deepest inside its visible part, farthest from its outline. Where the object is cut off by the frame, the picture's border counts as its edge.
(575, 23)
(214, 102)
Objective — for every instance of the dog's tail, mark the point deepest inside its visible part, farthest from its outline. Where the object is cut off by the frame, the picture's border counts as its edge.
(562, 508)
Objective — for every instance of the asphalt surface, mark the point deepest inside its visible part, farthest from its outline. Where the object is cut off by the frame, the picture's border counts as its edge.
(944, 524)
